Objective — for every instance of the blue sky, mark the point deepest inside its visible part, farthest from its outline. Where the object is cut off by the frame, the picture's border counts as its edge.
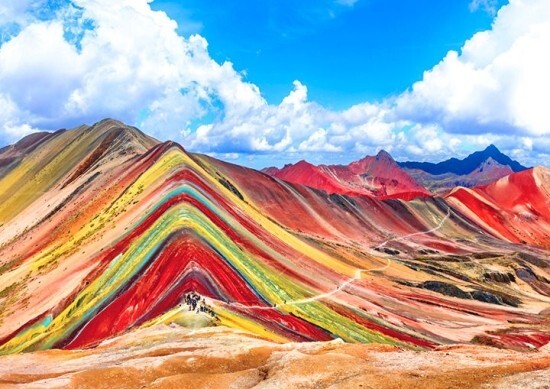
(275, 81)
(344, 54)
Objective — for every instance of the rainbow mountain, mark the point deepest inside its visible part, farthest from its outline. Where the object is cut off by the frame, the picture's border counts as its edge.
(104, 229)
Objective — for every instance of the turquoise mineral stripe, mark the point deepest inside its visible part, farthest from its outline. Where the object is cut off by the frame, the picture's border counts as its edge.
(127, 265)
(189, 189)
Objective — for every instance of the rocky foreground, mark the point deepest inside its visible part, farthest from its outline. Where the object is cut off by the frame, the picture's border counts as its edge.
(171, 356)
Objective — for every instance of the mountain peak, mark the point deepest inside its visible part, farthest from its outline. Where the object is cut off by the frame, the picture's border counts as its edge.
(466, 165)
(383, 154)
(301, 162)
(377, 176)
(491, 165)
(488, 162)
(492, 149)
(368, 160)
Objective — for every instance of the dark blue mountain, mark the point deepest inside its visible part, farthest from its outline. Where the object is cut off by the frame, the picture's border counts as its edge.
(466, 165)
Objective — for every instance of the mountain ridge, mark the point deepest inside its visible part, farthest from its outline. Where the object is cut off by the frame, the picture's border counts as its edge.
(377, 176)
(466, 165)
(487, 172)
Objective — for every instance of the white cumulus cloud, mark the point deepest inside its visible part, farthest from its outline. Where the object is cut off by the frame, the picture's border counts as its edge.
(130, 64)
(489, 6)
(92, 59)
(498, 83)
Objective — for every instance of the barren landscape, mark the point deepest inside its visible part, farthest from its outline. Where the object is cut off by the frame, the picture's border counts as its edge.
(216, 357)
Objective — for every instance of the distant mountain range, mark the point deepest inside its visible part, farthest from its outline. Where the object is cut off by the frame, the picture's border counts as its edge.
(377, 176)
(467, 165)
(477, 169)
(380, 176)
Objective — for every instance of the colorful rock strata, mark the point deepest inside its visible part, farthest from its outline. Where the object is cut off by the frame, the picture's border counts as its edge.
(103, 229)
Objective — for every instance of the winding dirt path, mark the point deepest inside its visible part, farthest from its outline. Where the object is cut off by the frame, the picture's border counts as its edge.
(351, 280)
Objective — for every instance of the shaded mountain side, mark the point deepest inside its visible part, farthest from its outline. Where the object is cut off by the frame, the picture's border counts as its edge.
(467, 165)
(489, 171)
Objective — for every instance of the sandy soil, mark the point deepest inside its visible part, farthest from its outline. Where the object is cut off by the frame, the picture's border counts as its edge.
(219, 357)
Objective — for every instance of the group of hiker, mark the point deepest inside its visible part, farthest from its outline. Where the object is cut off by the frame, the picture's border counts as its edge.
(195, 303)
(192, 299)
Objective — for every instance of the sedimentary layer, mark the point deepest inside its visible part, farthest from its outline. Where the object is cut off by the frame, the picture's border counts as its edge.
(103, 229)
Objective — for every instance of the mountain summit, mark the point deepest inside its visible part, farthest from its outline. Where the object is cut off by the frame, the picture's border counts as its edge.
(466, 165)
(376, 176)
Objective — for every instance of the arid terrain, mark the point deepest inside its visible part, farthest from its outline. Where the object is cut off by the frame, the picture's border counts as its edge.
(275, 194)
(113, 245)
(217, 357)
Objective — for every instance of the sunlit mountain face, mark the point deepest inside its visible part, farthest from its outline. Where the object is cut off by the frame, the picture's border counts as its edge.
(104, 229)
(378, 176)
